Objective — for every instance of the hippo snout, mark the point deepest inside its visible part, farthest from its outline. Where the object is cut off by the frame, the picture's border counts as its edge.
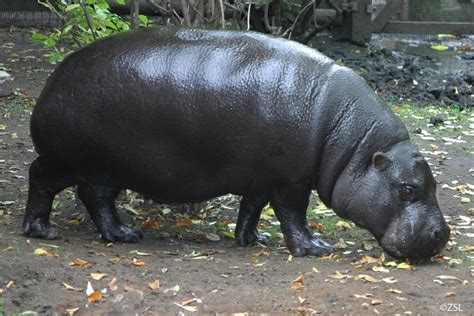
(421, 245)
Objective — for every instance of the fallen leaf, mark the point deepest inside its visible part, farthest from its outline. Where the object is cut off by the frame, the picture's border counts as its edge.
(10, 284)
(9, 248)
(465, 199)
(376, 302)
(155, 285)
(72, 311)
(98, 276)
(395, 291)
(343, 225)
(190, 301)
(153, 224)
(138, 262)
(448, 277)
(390, 280)
(297, 287)
(449, 294)
(368, 245)
(301, 300)
(290, 258)
(70, 287)
(380, 269)
(367, 278)
(184, 222)
(89, 289)
(94, 297)
(44, 253)
(113, 284)
(341, 244)
(79, 262)
(139, 253)
(339, 276)
(74, 222)
(315, 270)
(404, 266)
(187, 308)
(368, 259)
(299, 279)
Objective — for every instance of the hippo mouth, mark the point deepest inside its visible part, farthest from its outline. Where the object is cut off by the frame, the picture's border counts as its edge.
(414, 248)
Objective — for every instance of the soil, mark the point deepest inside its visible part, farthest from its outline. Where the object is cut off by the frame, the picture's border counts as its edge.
(191, 253)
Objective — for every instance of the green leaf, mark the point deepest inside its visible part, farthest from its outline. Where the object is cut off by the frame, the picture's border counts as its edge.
(143, 19)
(122, 2)
(439, 47)
(72, 7)
(38, 36)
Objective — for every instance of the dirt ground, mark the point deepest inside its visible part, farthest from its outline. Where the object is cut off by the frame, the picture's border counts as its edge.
(189, 264)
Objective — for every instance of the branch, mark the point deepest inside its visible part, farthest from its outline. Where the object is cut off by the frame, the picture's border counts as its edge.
(290, 29)
(221, 5)
(187, 18)
(88, 18)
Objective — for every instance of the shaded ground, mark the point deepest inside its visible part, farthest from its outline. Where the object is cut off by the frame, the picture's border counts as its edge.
(193, 255)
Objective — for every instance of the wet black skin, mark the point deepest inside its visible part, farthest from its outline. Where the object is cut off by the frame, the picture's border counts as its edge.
(187, 115)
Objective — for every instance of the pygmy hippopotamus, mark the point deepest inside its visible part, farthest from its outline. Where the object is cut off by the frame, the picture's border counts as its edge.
(184, 115)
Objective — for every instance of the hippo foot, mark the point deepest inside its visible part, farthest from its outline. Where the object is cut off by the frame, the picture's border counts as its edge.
(253, 238)
(310, 246)
(37, 229)
(121, 233)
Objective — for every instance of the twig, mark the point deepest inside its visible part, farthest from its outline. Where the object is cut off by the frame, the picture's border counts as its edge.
(88, 18)
(248, 16)
(290, 29)
(221, 5)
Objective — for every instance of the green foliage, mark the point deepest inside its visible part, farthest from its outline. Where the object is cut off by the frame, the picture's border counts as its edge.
(84, 22)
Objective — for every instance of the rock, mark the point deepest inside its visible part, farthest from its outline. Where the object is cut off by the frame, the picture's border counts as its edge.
(128, 303)
(5, 87)
(436, 120)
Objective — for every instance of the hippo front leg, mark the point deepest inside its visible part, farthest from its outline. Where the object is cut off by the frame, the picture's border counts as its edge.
(290, 203)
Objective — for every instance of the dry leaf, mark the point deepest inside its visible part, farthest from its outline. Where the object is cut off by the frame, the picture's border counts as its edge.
(315, 270)
(297, 287)
(138, 262)
(113, 284)
(74, 222)
(367, 278)
(153, 224)
(70, 287)
(290, 258)
(338, 276)
(187, 308)
(368, 259)
(184, 222)
(390, 280)
(98, 276)
(72, 311)
(155, 285)
(301, 300)
(44, 253)
(449, 294)
(404, 266)
(79, 262)
(380, 269)
(94, 297)
(299, 279)
(376, 302)
(9, 248)
(395, 291)
(10, 284)
(89, 289)
(190, 301)
(341, 244)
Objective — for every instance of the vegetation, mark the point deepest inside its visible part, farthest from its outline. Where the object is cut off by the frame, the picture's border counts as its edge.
(85, 21)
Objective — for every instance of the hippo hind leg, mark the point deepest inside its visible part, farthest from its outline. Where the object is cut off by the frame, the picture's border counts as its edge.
(46, 179)
(99, 201)
(290, 203)
(246, 232)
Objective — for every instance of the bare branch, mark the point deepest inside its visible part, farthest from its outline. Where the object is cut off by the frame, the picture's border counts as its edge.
(290, 29)
(184, 8)
(89, 19)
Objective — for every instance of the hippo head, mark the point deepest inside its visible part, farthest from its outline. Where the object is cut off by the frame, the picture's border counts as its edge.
(395, 199)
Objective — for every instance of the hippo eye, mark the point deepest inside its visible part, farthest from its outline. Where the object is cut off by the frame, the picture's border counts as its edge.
(408, 192)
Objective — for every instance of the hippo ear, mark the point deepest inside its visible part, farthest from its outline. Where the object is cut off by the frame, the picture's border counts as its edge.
(380, 160)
